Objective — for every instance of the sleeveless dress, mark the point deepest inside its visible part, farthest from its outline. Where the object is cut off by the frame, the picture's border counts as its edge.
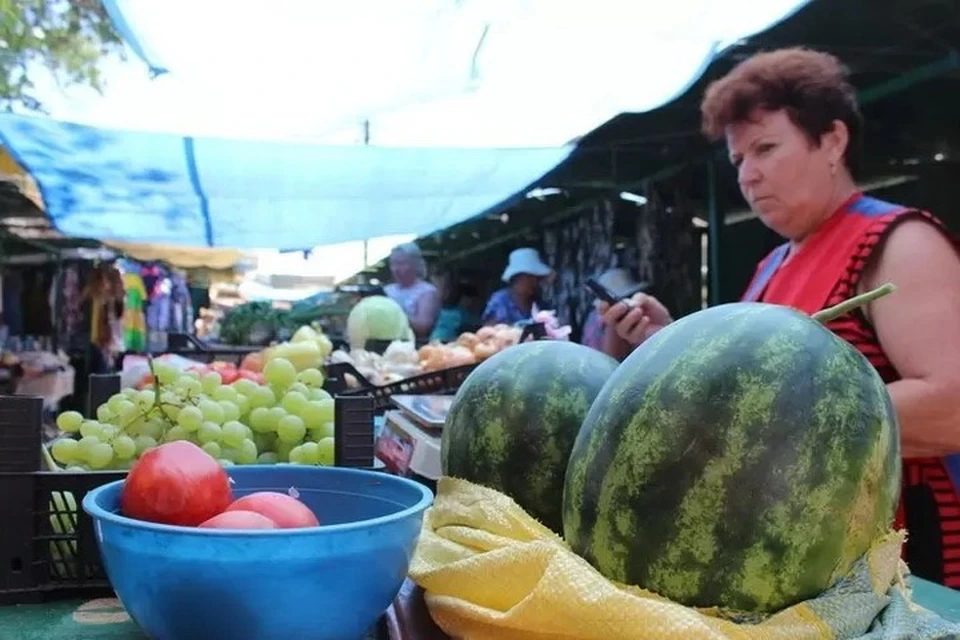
(825, 272)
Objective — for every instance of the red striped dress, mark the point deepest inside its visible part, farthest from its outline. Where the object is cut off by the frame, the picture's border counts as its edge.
(825, 272)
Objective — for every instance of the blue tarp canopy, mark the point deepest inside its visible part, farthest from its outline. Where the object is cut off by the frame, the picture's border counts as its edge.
(180, 190)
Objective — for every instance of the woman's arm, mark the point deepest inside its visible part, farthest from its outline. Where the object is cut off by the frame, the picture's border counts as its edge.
(425, 316)
(919, 329)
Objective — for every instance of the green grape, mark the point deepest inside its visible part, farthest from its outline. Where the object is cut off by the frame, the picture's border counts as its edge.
(85, 445)
(245, 387)
(145, 398)
(130, 392)
(209, 382)
(165, 373)
(283, 450)
(65, 450)
(299, 387)
(260, 420)
(311, 377)
(247, 452)
(315, 414)
(243, 404)
(325, 452)
(296, 455)
(190, 418)
(101, 455)
(230, 410)
(234, 434)
(123, 465)
(209, 432)
(125, 410)
(114, 402)
(309, 453)
(262, 397)
(144, 443)
(294, 402)
(176, 433)
(326, 430)
(152, 428)
(225, 463)
(268, 457)
(124, 447)
(169, 397)
(108, 432)
(275, 415)
(280, 372)
(213, 448)
(229, 453)
(248, 431)
(69, 421)
(265, 441)
(90, 428)
(104, 414)
(212, 411)
(291, 429)
(189, 385)
(319, 394)
(225, 394)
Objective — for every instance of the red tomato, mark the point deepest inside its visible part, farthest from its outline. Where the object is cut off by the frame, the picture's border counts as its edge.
(228, 376)
(239, 520)
(176, 483)
(287, 512)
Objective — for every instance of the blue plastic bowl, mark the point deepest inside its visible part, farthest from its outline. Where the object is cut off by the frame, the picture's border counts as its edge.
(332, 581)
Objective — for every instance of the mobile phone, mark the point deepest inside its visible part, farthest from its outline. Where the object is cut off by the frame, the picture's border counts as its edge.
(601, 291)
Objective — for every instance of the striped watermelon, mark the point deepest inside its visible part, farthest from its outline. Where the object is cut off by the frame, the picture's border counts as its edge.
(514, 419)
(743, 457)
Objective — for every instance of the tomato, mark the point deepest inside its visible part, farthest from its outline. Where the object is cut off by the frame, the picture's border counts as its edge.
(239, 520)
(287, 512)
(176, 483)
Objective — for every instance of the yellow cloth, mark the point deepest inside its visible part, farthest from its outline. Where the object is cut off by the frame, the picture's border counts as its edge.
(489, 570)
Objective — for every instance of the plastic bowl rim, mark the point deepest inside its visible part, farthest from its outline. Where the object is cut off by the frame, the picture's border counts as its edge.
(99, 513)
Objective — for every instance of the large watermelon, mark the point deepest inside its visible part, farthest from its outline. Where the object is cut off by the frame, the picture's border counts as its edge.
(514, 419)
(743, 457)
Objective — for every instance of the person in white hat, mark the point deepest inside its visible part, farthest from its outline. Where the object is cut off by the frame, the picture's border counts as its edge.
(516, 302)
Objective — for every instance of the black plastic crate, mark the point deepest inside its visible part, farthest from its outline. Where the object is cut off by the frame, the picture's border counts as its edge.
(433, 382)
(47, 544)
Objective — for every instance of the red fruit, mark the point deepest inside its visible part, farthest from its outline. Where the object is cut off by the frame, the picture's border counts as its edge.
(250, 375)
(176, 483)
(239, 520)
(287, 512)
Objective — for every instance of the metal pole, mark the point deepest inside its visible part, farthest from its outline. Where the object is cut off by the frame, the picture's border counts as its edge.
(714, 233)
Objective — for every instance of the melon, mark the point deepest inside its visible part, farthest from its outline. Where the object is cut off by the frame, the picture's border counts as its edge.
(744, 457)
(514, 420)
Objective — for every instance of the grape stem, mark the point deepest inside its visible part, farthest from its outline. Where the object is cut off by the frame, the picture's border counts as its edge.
(832, 313)
(156, 392)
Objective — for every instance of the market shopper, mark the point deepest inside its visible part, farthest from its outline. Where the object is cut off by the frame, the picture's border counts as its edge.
(792, 128)
(420, 299)
(621, 284)
(517, 301)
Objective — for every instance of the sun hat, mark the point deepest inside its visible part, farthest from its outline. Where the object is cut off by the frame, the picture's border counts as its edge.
(527, 261)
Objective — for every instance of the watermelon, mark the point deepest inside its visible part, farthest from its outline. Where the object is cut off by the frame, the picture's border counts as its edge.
(514, 419)
(744, 457)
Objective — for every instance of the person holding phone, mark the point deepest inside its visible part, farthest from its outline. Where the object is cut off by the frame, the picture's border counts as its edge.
(792, 128)
(611, 285)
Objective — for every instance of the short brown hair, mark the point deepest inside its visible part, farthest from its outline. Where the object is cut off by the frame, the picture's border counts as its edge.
(813, 87)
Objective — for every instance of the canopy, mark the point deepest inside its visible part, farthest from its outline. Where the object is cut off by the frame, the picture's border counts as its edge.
(421, 72)
(180, 190)
(183, 257)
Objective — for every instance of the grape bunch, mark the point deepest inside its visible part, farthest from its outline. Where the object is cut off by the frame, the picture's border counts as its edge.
(288, 419)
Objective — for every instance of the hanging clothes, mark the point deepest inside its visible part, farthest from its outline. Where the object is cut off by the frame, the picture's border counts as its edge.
(134, 319)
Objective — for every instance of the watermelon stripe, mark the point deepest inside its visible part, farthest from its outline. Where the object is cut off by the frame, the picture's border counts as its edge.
(723, 462)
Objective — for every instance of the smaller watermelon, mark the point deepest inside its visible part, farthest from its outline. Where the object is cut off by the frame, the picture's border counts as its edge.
(513, 422)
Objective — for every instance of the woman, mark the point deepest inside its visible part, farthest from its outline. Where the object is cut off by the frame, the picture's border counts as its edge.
(792, 127)
(515, 303)
(419, 299)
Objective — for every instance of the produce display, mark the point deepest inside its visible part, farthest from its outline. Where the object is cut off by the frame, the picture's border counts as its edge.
(180, 484)
(377, 318)
(514, 420)
(288, 418)
(744, 456)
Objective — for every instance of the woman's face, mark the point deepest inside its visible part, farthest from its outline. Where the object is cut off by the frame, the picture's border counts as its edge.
(403, 268)
(787, 180)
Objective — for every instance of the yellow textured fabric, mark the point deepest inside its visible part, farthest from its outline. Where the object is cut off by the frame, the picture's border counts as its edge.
(491, 571)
